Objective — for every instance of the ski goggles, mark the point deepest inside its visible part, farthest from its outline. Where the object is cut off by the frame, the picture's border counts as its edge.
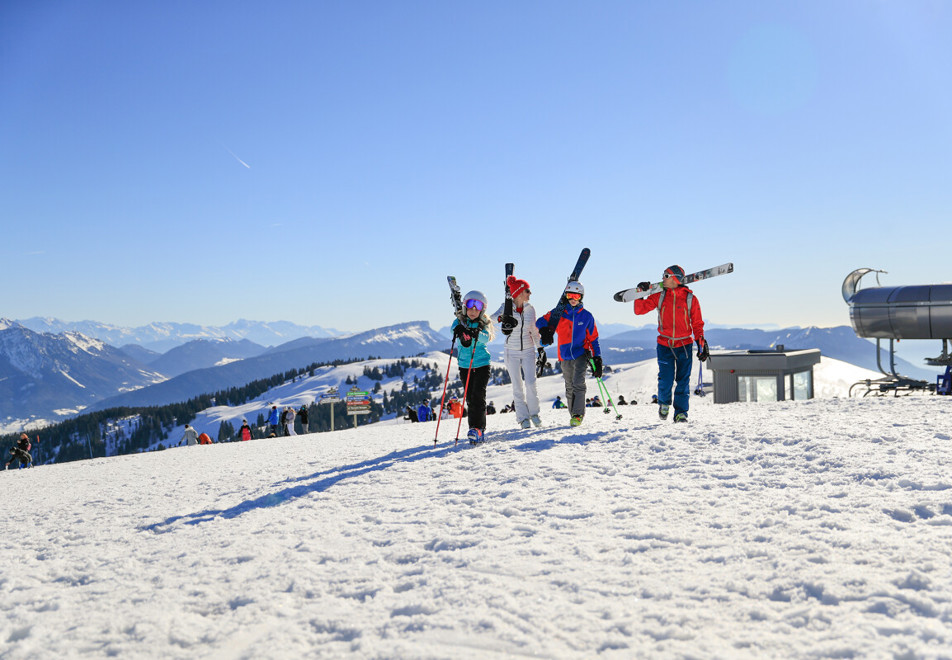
(472, 303)
(573, 296)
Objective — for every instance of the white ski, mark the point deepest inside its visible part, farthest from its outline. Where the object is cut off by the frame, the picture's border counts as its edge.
(627, 295)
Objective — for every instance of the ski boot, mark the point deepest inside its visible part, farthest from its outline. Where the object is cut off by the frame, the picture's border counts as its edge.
(576, 420)
(663, 410)
(536, 420)
(681, 417)
(475, 436)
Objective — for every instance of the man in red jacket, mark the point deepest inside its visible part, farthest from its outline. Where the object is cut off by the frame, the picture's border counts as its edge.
(679, 320)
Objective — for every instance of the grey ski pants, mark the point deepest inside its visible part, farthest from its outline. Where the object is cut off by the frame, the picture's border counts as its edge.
(573, 371)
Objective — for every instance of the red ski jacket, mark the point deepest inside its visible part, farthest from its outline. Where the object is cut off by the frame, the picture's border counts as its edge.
(679, 315)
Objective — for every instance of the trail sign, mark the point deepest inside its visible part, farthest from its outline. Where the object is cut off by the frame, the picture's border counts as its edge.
(358, 402)
(330, 396)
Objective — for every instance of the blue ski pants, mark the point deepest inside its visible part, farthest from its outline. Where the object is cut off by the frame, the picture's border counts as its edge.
(674, 369)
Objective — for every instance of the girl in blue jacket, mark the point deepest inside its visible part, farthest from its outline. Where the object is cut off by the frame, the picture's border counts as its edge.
(474, 327)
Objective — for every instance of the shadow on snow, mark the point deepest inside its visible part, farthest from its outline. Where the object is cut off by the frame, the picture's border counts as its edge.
(321, 481)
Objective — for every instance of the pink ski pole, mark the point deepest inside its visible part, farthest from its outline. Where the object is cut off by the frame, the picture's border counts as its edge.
(439, 414)
(469, 372)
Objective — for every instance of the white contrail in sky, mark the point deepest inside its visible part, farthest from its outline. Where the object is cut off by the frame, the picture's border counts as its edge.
(236, 157)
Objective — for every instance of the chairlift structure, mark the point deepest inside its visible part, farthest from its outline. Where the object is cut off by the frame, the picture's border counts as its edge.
(895, 313)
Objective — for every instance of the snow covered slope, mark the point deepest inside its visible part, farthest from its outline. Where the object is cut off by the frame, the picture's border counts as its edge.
(392, 341)
(636, 381)
(797, 529)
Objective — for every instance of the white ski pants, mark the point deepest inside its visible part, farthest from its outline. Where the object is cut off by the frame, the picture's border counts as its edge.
(522, 370)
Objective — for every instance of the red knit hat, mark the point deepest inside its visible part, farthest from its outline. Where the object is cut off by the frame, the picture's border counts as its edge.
(516, 286)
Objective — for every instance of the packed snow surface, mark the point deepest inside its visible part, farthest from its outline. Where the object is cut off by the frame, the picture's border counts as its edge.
(801, 529)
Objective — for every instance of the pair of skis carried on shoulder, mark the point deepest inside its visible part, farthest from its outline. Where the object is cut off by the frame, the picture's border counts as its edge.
(628, 295)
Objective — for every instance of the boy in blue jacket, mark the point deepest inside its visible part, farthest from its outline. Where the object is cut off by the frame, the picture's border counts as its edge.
(578, 340)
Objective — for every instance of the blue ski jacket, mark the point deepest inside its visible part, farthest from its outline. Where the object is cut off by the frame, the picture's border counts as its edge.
(465, 353)
(423, 413)
(577, 332)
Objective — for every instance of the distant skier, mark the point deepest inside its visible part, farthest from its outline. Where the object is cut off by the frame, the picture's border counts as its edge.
(520, 355)
(411, 415)
(245, 431)
(558, 404)
(287, 421)
(679, 319)
(204, 439)
(190, 437)
(578, 341)
(274, 419)
(474, 332)
(302, 414)
(21, 453)
(424, 413)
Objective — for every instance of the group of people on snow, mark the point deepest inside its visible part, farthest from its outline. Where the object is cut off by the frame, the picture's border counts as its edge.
(192, 437)
(680, 325)
(282, 422)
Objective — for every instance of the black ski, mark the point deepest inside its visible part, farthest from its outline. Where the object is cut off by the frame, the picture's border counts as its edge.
(455, 296)
(508, 320)
(542, 361)
(556, 313)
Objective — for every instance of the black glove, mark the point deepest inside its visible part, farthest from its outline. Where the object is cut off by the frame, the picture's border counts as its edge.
(597, 366)
(546, 335)
(462, 333)
(644, 286)
(702, 351)
(508, 324)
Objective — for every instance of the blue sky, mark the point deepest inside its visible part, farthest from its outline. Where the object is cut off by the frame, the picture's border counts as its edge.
(330, 163)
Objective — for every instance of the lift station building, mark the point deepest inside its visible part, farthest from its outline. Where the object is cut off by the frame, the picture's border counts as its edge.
(763, 375)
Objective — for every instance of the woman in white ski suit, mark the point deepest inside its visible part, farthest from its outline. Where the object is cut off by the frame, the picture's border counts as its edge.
(520, 353)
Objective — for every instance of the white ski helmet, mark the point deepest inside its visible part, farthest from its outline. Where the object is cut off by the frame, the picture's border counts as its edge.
(476, 295)
(575, 287)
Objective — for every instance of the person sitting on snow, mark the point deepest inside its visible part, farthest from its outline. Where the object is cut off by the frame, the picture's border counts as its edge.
(21, 452)
(190, 437)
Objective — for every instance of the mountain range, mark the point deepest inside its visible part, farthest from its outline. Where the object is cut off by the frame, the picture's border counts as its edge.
(55, 376)
(48, 376)
(161, 337)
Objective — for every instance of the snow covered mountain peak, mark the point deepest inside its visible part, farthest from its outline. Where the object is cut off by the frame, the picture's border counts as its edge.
(412, 330)
(81, 342)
